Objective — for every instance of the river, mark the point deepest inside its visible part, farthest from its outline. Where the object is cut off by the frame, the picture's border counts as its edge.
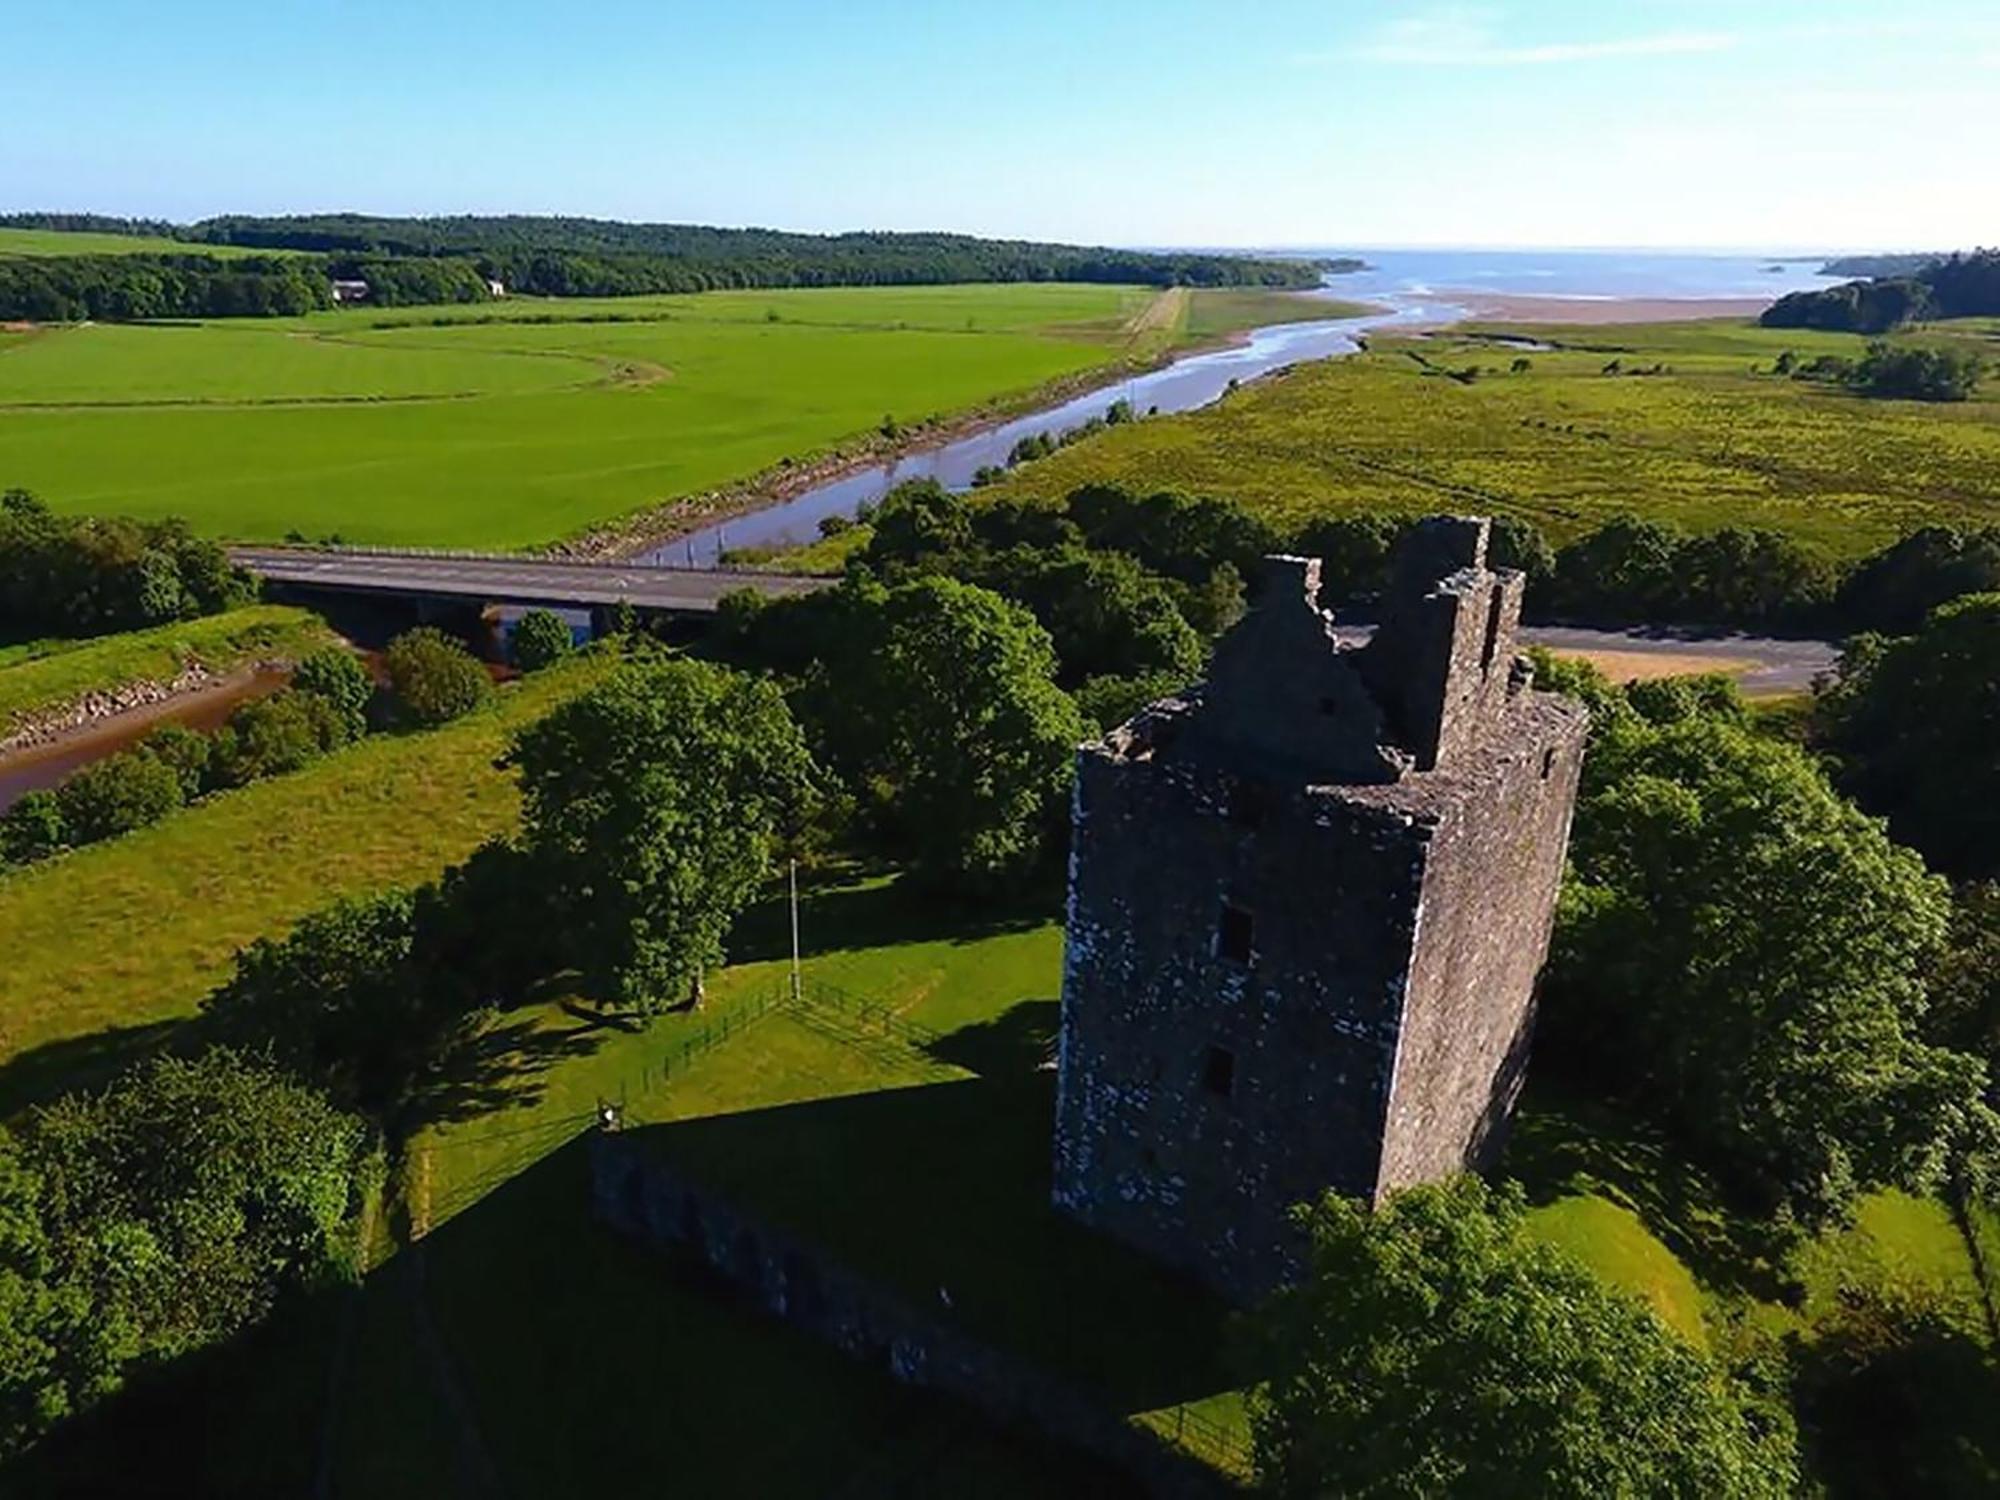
(1413, 286)
(1181, 386)
(39, 767)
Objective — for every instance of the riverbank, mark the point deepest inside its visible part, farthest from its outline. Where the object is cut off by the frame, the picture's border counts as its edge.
(654, 529)
(50, 690)
(198, 700)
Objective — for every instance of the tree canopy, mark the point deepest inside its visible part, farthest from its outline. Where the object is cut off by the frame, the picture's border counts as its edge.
(942, 708)
(1916, 722)
(652, 805)
(1743, 950)
(1432, 1348)
(73, 575)
(161, 1214)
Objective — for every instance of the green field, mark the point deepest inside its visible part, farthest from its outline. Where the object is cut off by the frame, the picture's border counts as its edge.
(107, 944)
(1708, 444)
(514, 423)
(37, 676)
(66, 242)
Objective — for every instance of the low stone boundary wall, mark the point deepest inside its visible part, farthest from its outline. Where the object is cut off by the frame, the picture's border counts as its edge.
(645, 1199)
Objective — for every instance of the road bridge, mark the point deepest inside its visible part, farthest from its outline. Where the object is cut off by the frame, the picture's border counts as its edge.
(483, 579)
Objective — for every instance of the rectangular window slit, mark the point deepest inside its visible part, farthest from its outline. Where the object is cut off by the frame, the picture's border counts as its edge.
(1218, 1071)
(1233, 933)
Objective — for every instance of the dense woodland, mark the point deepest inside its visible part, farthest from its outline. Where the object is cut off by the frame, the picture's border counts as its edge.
(1952, 286)
(408, 261)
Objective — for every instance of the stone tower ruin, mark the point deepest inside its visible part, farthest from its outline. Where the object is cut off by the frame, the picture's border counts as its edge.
(1308, 901)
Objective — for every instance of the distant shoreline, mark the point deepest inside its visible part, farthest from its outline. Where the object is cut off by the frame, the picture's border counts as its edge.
(1521, 307)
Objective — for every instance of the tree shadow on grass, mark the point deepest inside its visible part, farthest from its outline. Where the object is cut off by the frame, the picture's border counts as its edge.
(838, 913)
(503, 1066)
(42, 1073)
(1561, 1144)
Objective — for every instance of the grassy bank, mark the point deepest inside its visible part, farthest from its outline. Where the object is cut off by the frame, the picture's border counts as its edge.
(1714, 439)
(514, 423)
(41, 676)
(106, 944)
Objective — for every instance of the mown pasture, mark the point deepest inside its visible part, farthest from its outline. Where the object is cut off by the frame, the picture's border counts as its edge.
(515, 423)
(1714, 438)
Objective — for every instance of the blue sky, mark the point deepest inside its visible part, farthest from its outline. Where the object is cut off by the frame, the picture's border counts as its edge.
(1769, 123)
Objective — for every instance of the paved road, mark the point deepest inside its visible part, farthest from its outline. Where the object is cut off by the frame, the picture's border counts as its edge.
(512, 580)
(1762, 665)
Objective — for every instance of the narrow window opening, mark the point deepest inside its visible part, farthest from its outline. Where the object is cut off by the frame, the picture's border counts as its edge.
(1492, 645)
(1232, 937)
(1218, 1071)
(1548, 763)
(1247, 802)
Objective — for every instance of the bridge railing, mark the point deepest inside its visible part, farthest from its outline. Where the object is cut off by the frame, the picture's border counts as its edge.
(468, 554)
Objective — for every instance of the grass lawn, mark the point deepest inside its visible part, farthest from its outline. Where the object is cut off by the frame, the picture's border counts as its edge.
(108, 944)
(1567, 446)
(40, 675)
(513, 423)
(1614, 1242)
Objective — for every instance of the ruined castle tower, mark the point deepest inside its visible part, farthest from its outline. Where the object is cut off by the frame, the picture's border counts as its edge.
(1308, 901)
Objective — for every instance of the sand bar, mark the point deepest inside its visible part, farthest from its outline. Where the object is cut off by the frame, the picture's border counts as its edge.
(1517, 308)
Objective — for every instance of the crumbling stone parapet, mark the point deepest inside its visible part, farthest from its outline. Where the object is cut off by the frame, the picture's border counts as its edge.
(1308, 902)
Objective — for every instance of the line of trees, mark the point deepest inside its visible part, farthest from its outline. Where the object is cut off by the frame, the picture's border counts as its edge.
(120, 288)
(417, 261)
(1627, 571)
(691, 257)
(85, 575)
(1951, 286)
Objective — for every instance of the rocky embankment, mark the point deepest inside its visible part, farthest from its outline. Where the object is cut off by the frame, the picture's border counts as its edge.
(46, 726)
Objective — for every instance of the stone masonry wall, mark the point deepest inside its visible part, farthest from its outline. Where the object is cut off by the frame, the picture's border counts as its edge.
(644, 1198)
(1483, 928)
(1148, 1147)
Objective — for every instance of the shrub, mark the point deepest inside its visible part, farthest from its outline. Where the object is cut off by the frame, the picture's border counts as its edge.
(32, 829)
(116, 795)
(1897, 373)
(187, 752)
(434, 678)
(274, 735)
(540, 639)
(337, 675)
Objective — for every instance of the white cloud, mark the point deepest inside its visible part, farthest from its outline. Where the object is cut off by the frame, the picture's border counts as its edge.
(1460, 36)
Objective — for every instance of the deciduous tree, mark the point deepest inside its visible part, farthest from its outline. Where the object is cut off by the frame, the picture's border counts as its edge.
(653, 803)
(1433, 1349)
(434, 678)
